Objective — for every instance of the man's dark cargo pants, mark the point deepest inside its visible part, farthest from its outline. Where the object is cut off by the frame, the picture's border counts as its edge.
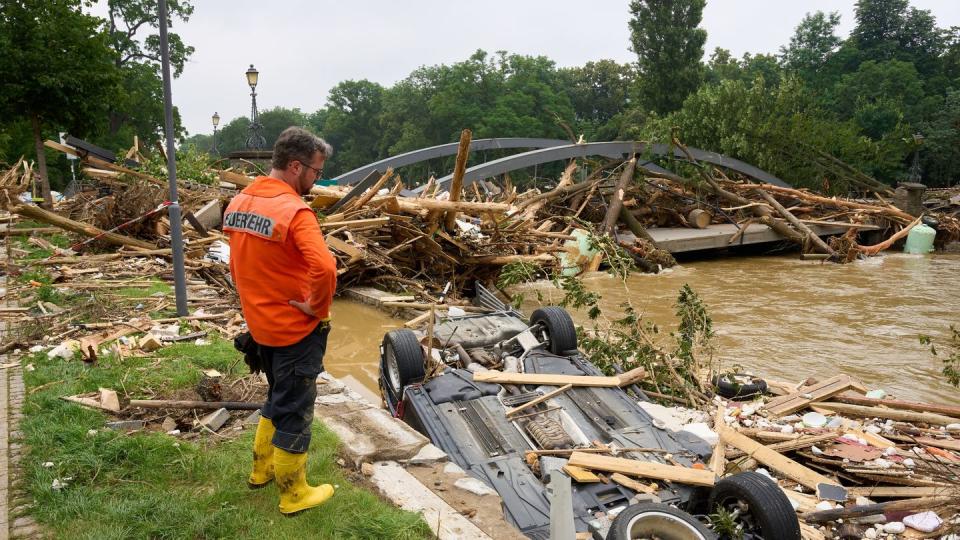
(292, 375)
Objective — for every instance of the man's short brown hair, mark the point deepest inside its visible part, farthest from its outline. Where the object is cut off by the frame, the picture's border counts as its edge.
(298, 144)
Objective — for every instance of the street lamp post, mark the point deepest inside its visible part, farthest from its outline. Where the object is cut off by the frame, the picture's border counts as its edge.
(255, 140)
(216, 122)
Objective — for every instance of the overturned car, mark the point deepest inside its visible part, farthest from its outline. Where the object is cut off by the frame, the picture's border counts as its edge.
(517, 437)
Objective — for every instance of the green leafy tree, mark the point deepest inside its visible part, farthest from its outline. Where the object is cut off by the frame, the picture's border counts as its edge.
(940, 152)
(351, 124)
(598, 92)
(879, 96)
(813, 42)
(133, 29)
(58, 70)
(666, 37)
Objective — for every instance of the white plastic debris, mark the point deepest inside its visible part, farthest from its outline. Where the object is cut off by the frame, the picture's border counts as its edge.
(787, 429)
(455, 311)
(872, 429)
(91, 432)
(835, 422)
(879, 393)
(870, 533)
(219, 252)
(814, 420)
(64, 350)
(909, 463)
(882, 463)
(863, 501)
(747, 410)
(924, 521)
(36, 348)
(953, 427)
(48, 464)
(824, 505)
(816, 450)
(890, 451)
(894, 527)
(766, 473)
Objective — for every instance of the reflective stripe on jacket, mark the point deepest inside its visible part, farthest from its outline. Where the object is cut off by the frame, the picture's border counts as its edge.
(277, 254)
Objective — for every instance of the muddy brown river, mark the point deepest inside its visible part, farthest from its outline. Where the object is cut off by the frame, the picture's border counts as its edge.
(777, 316)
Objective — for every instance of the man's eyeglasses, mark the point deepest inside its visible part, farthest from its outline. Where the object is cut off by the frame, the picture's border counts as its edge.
(319, 171)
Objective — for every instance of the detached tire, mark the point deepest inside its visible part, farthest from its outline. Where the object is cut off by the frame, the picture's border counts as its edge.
(559, 328)
(764, 510)
(729, 387)
(656, 520)
(402, 360)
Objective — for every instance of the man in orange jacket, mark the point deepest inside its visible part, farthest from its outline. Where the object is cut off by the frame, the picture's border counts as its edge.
(286, 278)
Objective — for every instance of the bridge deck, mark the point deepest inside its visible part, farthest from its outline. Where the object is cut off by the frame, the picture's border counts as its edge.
(679, 239)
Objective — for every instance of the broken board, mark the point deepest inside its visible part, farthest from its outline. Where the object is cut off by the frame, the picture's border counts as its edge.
(645, 469)
(790, 403)
(548, 379)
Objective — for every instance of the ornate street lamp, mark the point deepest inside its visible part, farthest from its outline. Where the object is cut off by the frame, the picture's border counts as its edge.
(918, 139)
(255, 140)
(216, 122)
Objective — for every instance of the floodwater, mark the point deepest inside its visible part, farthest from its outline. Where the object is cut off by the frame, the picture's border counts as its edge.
(778, 317)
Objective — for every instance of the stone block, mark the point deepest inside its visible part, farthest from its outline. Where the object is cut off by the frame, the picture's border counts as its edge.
(373, 435)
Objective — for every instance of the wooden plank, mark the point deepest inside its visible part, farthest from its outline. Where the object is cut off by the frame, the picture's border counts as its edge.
(718, 460)
(775, 460)
(557, 380)
(872, 438)
(795, 444)
(892, 414)
(580, 474)
(630, 483)
(947, 410)
(540, 399)
(794, 402)
(356, 223)
(898, 491)
(805, 503)
(350, 250)
(645, 469)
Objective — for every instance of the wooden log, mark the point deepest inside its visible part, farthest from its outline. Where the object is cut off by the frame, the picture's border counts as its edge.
(827, 201)
(416, 206)
(46, 216)
(893, 414)
(799, 225)
(616, 200)
(699, 219)
(500, 260)
(921, 503)
(370, 193)
(630, 483)
(947, 410)
(899, 491)
(456, 183)
(877, 248)
(645, 469)
(539, 400)
(184, 404)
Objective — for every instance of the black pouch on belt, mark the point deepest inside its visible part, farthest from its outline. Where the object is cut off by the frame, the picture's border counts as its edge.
(251, 351)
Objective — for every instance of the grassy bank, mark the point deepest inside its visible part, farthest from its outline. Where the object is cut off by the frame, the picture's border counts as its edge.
(147, 484)
(152, 485)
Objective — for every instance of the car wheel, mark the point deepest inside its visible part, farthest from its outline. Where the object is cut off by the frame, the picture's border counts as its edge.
(656, 520)
(739, 387)
(560, 332)
(758, 505)
(402, 360)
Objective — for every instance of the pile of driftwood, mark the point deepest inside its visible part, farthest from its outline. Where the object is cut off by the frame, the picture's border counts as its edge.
(393, 239)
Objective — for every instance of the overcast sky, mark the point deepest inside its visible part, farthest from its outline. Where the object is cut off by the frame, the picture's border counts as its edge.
(302, 48)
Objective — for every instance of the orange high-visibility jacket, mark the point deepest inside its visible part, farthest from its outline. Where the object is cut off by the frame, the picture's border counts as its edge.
(277, 254)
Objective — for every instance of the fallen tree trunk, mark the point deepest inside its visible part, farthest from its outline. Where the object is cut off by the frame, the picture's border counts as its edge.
(877, 248)
(819, 199)
(616, 200)
(46, 216)
(817, 241)
(456, 184)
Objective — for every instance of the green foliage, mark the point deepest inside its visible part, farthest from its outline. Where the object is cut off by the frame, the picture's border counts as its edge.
(192, 164)
(725, 524)
(696, 327)
(666, 37)
(812, 44)
(951, 358)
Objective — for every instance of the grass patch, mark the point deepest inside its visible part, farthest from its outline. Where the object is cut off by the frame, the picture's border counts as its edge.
(150, 485)
(156, 286)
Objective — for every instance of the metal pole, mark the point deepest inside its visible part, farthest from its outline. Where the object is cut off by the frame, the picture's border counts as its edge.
(176, 234)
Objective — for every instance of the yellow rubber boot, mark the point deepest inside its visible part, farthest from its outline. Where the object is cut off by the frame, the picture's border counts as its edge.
(262, 455)
(295, 493)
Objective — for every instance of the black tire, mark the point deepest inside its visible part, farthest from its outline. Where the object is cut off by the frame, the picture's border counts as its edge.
(764, 510)
(732, 389)
(402, 361)
(665, 521)
(559, 328)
